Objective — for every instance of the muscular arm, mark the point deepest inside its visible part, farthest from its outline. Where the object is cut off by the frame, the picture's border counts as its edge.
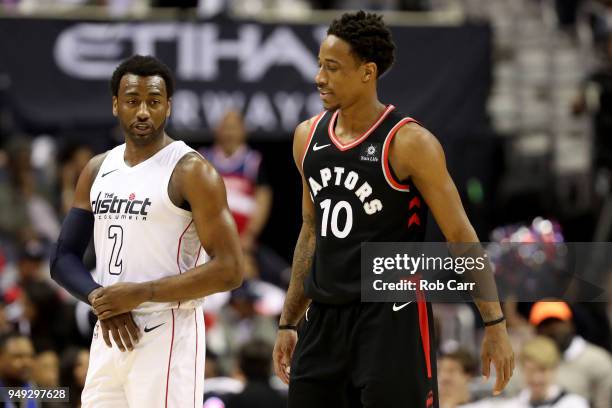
(202, 187)
(416, 153)
(198, 183)
(295, 301)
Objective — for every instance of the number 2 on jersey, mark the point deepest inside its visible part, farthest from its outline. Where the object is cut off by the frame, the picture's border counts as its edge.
(115, 265)
(340, 205)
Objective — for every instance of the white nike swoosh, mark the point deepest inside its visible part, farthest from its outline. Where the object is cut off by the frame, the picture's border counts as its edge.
(400, 307)
(315, 147)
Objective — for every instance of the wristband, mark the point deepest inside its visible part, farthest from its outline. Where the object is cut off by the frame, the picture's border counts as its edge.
(494, 322)
(287, 327)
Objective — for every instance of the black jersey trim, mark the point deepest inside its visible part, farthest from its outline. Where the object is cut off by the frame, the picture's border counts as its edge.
(386, 167)
(344, 147)
(313, 129)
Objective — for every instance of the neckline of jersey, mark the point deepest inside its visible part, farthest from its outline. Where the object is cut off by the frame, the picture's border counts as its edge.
(342, 146)
(144, 162)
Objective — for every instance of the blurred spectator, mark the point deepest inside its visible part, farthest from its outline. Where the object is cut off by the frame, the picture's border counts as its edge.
(585, 369)
(24, 211)
(46, 369)
(73, 370)
(72, 162)
(539, 359)
(16, 360)
(249, 194)
(36, 307)
(455, 372)
(217, 386)
(248, 191)
(256, 367)
(238, 323)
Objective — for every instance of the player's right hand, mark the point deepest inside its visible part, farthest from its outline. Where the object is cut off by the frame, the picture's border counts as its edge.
(283, 351)
(124, 330)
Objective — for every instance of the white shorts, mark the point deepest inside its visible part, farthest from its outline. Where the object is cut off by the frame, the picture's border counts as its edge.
(165, 369)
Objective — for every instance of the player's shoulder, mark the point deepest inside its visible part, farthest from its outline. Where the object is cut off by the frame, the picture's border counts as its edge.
(194, 168)
(304, 128)
(414, 137)
(95, 163)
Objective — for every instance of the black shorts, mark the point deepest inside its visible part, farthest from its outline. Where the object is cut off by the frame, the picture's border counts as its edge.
(365, 355)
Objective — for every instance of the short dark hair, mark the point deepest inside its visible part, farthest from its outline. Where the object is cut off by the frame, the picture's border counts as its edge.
(370, 39)
(142, 65)
(255, 360)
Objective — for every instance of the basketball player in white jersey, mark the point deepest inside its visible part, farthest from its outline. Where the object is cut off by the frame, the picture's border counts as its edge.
(157, 212)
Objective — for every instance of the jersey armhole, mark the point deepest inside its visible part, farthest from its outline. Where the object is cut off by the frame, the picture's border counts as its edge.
(386, 166)
(313, 128)
(166, 182)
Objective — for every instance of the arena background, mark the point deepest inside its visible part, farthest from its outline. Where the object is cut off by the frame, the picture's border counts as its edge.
(518, 93)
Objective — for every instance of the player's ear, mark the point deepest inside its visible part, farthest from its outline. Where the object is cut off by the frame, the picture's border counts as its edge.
(169, 108)
(114, 106)
(369, 71)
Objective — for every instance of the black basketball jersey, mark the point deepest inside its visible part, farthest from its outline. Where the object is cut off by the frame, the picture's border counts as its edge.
(357, 198)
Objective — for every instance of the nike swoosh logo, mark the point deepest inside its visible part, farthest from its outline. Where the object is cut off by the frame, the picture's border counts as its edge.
(315, 147)
(108, 172)
(400, 307)
(148, 329)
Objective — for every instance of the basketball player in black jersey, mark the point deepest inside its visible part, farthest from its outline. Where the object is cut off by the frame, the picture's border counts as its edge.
(369, 174)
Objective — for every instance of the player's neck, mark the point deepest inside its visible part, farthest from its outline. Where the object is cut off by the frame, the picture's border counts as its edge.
(136, 154)
(355, 120)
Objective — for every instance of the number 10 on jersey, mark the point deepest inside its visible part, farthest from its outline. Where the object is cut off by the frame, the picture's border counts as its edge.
(335, 212)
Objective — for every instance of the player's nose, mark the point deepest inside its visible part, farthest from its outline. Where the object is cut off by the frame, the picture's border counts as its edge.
(320, 79)
(143, 112)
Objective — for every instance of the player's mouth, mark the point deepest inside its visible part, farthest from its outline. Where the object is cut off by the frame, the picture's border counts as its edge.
(323, 93)
(142, 128)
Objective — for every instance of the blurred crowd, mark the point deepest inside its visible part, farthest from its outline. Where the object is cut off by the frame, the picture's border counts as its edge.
(562, 350)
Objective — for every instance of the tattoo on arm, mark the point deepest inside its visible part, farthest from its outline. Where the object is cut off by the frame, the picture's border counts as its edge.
(295, 301)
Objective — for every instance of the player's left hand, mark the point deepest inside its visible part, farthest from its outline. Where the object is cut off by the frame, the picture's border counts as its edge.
(119, 298)
(496, 348)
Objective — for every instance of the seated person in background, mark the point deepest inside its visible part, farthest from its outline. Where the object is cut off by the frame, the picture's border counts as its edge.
(455, 372)
(584, 369)
(255, 364)
(46, 369)
(539, 360)
(16, 360)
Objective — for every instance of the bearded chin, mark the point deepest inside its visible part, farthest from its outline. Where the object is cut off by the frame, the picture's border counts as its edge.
(144, 140)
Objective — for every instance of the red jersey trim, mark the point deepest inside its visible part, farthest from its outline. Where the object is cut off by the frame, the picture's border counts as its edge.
(169, 359)
(313, 128)
(385, 156)
(178, 253)
(344, 147)
(424, 329)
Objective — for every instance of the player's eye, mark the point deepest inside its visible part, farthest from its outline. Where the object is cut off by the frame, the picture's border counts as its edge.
(131, 101)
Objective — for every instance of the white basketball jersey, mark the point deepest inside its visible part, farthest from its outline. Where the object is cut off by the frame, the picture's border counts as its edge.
(139, 234)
